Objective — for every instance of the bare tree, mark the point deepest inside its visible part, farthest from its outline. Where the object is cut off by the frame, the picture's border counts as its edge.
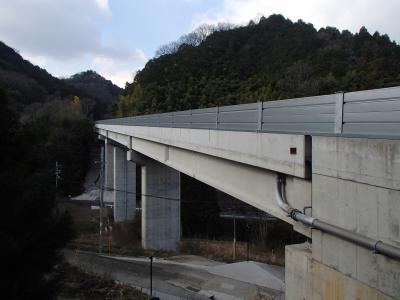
(194, 38)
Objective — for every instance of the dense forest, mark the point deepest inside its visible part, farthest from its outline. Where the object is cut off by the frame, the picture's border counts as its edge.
(57, 113)
(43, 121)
(33, 231)
(268, 60)
(102, 93)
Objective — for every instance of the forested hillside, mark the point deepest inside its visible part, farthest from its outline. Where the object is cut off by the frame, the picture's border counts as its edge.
(44, 120)
(28, 86)
(96, 87)
(56, 114)
(272, 59)
(33, 231)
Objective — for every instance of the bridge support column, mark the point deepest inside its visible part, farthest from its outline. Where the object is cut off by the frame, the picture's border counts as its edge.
(109, 165)
(161, 221)
(124, 187)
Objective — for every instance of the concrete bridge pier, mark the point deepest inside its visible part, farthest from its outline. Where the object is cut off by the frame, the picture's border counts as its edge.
(161, 207)
(109, 165)
(124, 187)
(120, 178)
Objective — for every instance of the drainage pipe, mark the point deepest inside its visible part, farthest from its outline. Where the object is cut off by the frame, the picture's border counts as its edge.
(358, 239)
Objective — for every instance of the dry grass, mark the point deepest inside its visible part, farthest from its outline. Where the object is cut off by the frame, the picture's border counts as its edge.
(125, 239)
(84, 219)
(76, 284)
(222, 251)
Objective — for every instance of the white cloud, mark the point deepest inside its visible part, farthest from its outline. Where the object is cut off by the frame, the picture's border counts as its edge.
(103, 4)
(37, 59)
(344, 14)
(120, 78)
(55, 29)
(63, 32)
(119, 69)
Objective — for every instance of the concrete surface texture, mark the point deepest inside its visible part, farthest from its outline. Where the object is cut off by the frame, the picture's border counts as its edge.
(328, 283)
(251, 184)
(124, 187)
(161, 215)
(268, 150)
(177, 280)
(253, 272)
(298, 271)
(108, 164)
(356, 187)
(130, 189)
(194, 260)
(307, 278)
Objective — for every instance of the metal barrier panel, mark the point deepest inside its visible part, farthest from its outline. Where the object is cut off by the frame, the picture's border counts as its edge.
(204, 118)
(375, 113)
(372, 113)
(238, 117)
(308, 115)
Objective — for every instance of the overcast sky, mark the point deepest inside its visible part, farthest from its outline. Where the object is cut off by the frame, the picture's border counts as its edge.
(117, 37)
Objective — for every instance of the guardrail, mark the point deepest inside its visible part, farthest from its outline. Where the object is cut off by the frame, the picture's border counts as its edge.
(370, 113)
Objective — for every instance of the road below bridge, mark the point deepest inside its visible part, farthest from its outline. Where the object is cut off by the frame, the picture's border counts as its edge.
(200, 279)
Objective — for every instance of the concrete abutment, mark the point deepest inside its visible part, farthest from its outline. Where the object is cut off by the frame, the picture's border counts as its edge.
(355, 186)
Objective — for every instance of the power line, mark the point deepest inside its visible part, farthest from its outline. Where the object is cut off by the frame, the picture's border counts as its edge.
(185, 200)
(182, 200)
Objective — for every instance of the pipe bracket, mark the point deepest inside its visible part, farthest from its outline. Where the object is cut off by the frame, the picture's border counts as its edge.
(376, 243)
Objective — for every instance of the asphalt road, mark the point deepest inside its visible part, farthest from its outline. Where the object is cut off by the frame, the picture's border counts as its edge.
(176, 280)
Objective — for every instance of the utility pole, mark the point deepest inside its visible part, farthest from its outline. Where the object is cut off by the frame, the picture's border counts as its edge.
(57, 174)
(234, 239)
(151, 276)
(248, 241)
(101, 190)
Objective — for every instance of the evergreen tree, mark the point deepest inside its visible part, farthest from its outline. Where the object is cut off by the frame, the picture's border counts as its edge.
(269, 60)
(32, 230)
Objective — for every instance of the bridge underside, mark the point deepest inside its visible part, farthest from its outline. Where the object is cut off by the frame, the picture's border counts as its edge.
(250, 182)
(352, 183)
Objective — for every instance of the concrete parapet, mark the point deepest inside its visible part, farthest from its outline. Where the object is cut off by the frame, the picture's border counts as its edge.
(371, 161)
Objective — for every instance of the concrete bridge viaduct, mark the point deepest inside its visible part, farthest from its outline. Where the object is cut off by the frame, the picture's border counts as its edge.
(329, 165)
